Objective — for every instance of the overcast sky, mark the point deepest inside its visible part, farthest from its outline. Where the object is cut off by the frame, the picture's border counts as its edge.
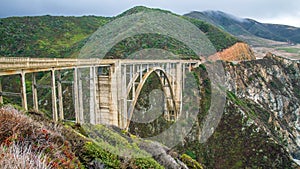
(271, 11)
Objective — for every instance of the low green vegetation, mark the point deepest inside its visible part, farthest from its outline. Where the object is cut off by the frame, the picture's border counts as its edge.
(290, 50)
(191, 163)
(67, 145)
(46, 36)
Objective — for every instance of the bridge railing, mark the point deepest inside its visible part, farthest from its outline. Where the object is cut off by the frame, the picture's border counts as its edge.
(27, 63)
(13, 63)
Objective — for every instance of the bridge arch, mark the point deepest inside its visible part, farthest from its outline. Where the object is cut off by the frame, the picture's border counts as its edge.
(165, 81)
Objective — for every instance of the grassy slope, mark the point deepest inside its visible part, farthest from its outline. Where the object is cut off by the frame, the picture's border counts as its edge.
(46, 36)
(57, 36)
(69, 145)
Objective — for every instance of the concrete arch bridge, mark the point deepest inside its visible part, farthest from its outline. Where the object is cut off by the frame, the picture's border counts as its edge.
(105, 89)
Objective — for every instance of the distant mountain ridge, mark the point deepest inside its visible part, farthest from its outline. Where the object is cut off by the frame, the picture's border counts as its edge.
(248, 27)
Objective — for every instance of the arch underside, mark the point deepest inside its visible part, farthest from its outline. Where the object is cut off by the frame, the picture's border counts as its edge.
(171, 112)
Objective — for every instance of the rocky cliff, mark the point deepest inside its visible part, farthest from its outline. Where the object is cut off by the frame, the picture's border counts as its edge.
(273, 84)
(259, 127)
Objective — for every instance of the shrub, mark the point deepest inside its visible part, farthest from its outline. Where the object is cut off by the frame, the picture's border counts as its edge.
(22, 156)
(17, 128)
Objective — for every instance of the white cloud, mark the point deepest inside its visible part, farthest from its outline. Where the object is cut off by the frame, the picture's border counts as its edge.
(285, 20)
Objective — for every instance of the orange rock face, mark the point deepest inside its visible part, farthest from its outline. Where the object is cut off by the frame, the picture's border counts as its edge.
(238, 52)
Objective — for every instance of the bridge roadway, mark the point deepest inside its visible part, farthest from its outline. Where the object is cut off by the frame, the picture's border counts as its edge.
(114, 85)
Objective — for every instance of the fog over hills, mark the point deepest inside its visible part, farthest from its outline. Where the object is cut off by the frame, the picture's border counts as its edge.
(248, 27)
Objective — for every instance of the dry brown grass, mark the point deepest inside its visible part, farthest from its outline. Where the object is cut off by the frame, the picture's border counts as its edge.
(22, 156)
(18, 129)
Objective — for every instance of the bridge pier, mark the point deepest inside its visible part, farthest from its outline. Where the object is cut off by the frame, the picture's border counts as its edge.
(80, 96)
(23, 91)
(93, 105)
(76, 95)
(34, 93)
(178, 87)
(60, 96)
(53, 90)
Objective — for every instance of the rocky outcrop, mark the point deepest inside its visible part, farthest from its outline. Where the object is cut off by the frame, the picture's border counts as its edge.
(273, 84)
(238, 52)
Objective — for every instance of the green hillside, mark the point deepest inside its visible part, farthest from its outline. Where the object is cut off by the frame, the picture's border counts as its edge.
(59, 36)
(46, 36)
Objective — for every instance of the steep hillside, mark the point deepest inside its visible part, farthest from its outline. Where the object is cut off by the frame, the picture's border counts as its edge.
(34, 142)
(248, 27)
(259, 126)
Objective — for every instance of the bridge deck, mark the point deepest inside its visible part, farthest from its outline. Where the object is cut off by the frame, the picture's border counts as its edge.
(14, 65)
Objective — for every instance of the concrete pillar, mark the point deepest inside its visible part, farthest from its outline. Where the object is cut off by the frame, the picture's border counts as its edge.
(23, 91)
(1, 97)
(60, 97)
(168, 68)
(131, 73)
(124, 95)
(172, 72)
(76, 100)
(114, 92)
(80, 97)
(93, 106)
(183, 76)
(141, 73)
(34, 92)
(178, 89)
(133, 86)
(118, 71)
(53, 87)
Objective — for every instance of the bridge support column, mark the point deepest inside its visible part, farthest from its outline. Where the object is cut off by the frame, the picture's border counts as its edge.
(60, 97)
(123, 104)
(93, 105)
(80, 97)
(23, 91)
(115, 85)
(178, 88)
(75, 91)
(54, 104)
(34, 93)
